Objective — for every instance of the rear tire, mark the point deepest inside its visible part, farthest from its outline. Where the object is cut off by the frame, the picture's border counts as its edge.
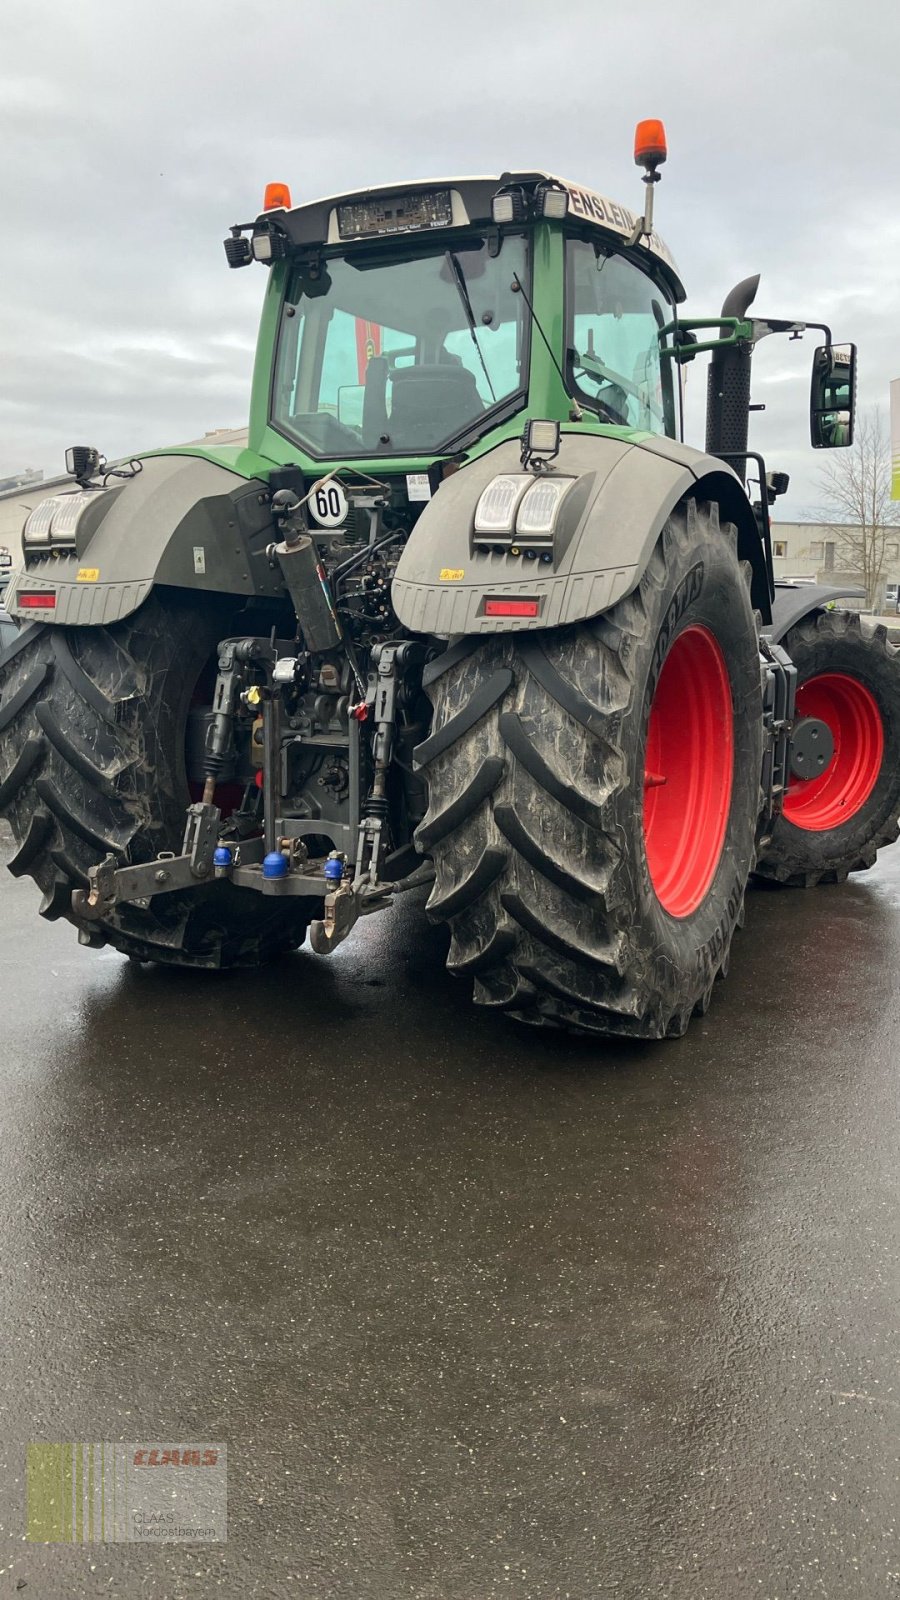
(92, 761)
(848, 674)
(553, 878)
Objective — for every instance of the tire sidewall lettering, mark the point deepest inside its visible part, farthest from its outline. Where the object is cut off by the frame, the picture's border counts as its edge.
(689, 590)
(705, 595)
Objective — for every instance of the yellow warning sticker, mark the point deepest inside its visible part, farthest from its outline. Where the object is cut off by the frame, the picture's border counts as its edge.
(452, 574)
(88, 575)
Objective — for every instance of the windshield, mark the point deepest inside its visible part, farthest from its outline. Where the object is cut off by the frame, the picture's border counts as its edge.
(614, 316)
(401, 354)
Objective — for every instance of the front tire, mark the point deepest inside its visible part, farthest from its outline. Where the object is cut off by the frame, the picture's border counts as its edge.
(834, 823)
(572, 899)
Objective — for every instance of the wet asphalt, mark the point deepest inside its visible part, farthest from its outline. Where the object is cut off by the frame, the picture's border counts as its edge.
(479, 1312)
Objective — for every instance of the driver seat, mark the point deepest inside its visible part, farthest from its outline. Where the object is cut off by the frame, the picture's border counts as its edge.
(431, 403)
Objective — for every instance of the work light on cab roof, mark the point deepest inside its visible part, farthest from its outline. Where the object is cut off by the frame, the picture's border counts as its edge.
(515, 199)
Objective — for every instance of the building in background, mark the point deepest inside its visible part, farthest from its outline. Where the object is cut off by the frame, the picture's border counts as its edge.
(21, 480)
(817, 552)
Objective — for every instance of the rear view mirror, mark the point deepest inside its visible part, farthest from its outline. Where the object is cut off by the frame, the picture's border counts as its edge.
(832, 396)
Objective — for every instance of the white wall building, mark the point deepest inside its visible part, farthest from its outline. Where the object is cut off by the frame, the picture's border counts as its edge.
(817, 551)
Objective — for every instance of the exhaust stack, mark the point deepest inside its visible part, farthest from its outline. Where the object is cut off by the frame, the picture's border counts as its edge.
(728, 382)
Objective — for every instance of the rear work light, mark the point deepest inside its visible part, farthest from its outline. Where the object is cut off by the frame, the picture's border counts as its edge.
(54, 522)
(238, 252)
(539, 506)
(511, 608)
(554, 202)
(45, 601)
(509, 205)
(495, 512)
(269, 246)
(517, 508)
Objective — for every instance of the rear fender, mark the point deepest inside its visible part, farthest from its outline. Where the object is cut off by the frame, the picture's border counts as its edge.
(607, 529)
(182, 521)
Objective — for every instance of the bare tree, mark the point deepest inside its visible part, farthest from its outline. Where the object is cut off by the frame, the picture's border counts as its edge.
(856, 492)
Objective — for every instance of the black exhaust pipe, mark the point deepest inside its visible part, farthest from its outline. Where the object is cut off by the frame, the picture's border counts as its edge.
(728, 382)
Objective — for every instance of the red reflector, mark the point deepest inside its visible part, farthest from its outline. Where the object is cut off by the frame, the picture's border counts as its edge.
(44, 601)
(511, 608)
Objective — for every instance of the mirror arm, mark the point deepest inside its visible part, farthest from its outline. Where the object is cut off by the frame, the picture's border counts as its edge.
(821, 327)
(762, 326)
(739, 333)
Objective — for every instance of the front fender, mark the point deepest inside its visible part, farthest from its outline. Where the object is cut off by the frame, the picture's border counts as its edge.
(794, 601)
(626, 491)
(182, 521)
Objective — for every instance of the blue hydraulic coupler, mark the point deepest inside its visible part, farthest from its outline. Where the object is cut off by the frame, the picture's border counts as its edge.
(222, 856)
(275, 865)
(334, 870)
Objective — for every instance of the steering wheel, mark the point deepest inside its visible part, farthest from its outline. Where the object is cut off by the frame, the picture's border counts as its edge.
(617, 418)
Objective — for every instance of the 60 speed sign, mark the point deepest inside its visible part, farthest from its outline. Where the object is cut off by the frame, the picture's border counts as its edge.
(328, 503)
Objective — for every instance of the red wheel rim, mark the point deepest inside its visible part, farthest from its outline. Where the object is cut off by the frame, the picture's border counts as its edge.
(688, 771)
(837, 794)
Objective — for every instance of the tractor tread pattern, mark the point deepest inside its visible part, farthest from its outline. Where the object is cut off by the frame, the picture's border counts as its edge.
(448, 658)
(482, 784)
(11, 707)
(39, 828)
(486, 870)
(523, 764)
(486, 695)
(529, 757)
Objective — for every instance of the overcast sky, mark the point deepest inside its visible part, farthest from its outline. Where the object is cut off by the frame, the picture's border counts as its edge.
(132, 135)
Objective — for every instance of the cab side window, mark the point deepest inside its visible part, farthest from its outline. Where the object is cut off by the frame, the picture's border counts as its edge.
(614, 316)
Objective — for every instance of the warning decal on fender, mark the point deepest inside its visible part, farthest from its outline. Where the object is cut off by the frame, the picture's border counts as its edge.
(452, 574)
(87, 575)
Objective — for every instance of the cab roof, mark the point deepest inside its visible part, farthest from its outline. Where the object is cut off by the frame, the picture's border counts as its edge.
(335, 219)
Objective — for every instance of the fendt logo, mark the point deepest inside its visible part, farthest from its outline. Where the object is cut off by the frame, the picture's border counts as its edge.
(175, 1458)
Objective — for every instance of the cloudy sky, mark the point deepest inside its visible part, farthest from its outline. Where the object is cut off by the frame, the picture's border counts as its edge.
(132, 135)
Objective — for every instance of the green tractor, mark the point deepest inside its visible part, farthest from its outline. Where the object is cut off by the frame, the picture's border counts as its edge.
(465, 611)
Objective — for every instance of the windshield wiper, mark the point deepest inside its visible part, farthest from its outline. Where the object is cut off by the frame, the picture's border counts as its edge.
(576, 414)
(462, 287)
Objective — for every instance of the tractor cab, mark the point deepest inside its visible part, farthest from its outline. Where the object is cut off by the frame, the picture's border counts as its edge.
(421, 324)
